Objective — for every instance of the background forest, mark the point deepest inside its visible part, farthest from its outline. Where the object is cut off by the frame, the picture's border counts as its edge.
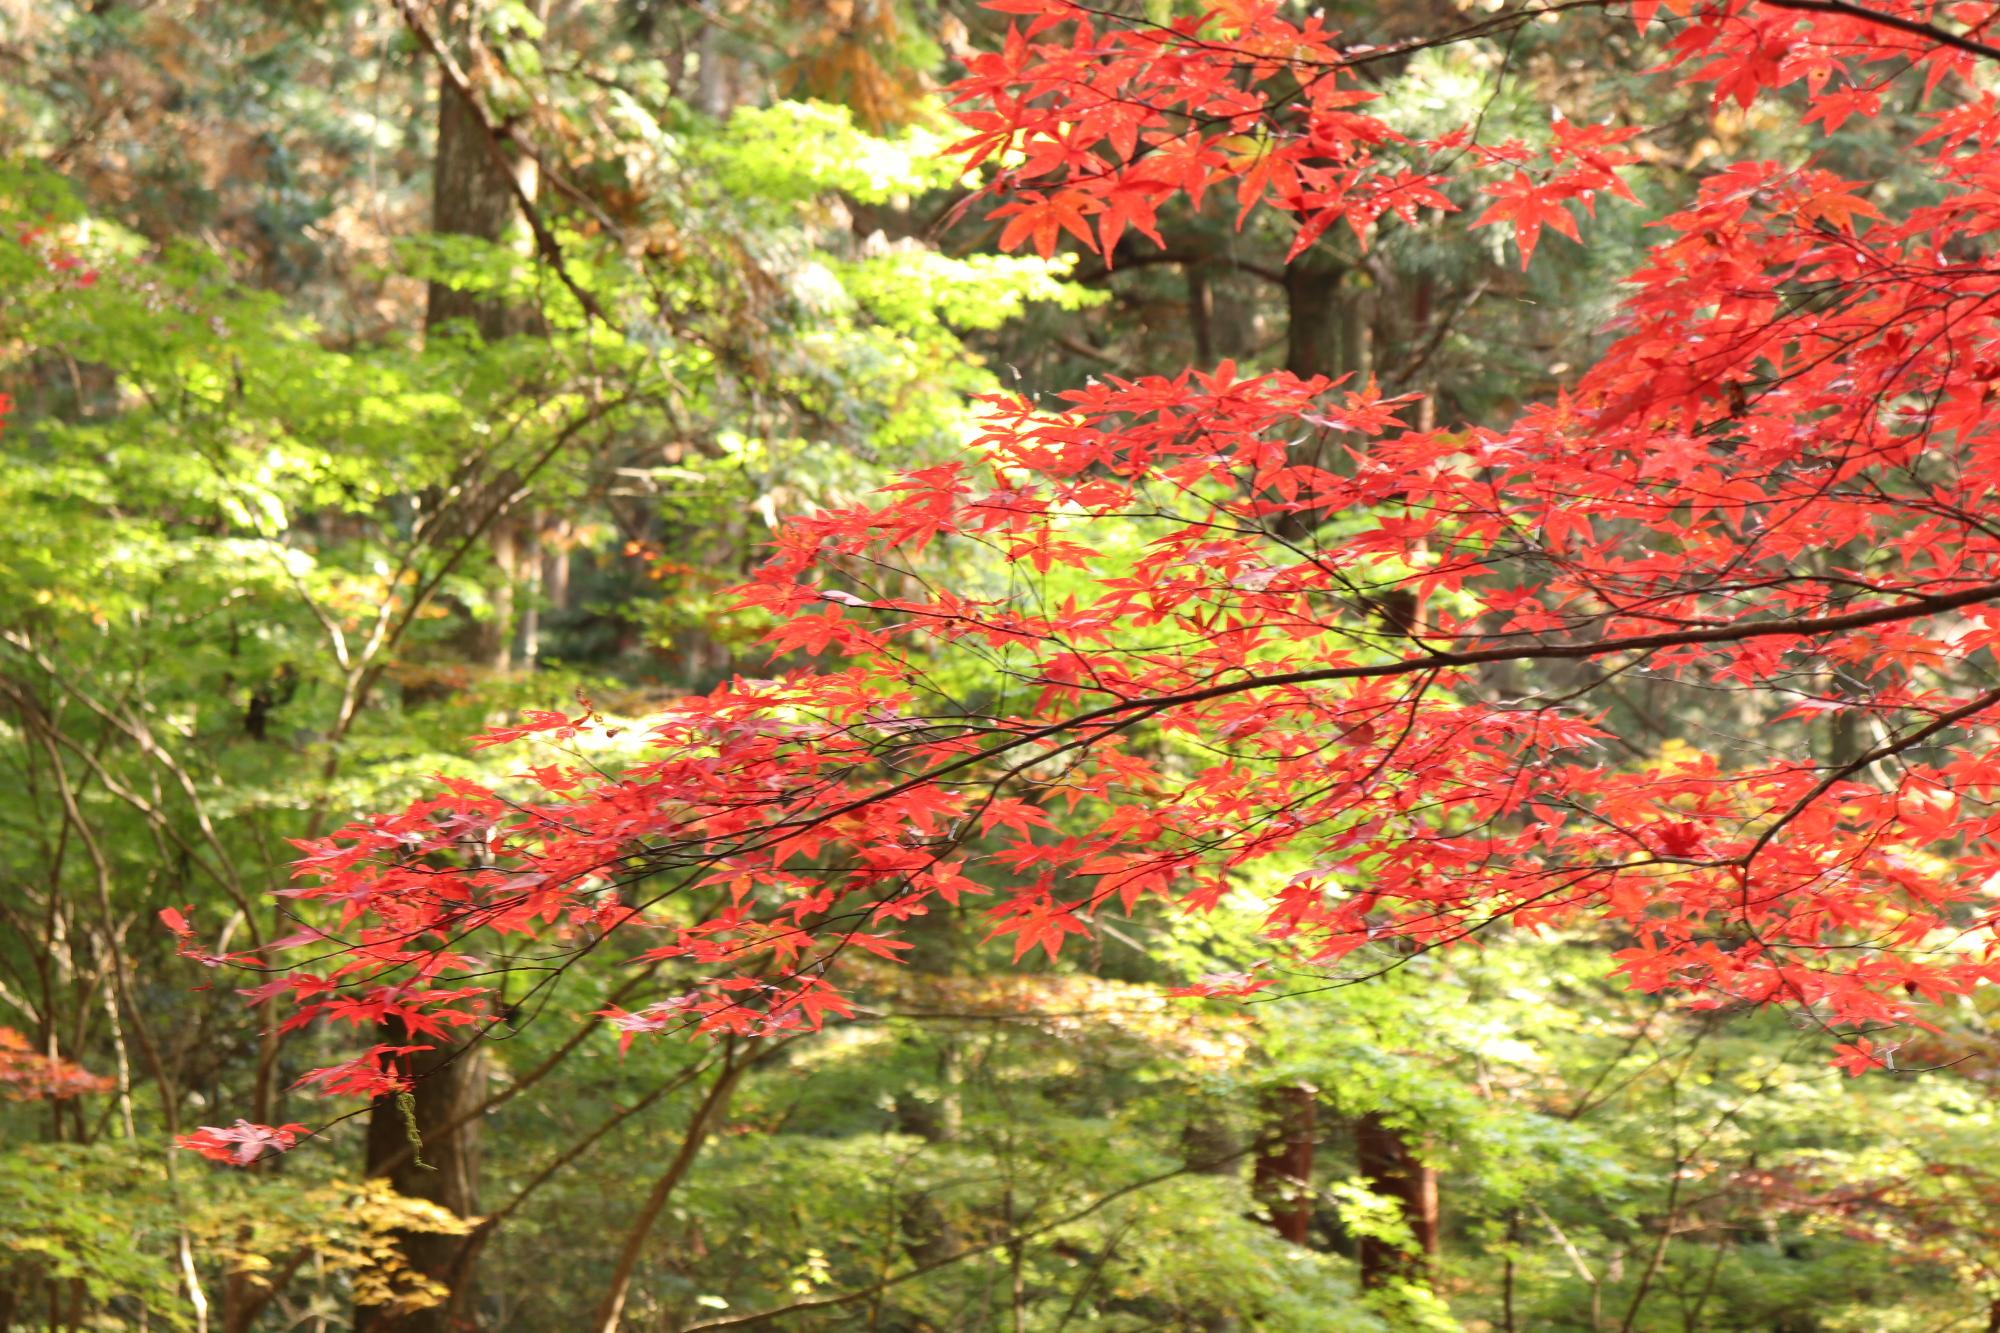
(381, 370)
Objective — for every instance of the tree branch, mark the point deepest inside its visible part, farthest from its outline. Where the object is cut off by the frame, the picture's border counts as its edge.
(498, 133)
(1915, 27)
(972, 1252)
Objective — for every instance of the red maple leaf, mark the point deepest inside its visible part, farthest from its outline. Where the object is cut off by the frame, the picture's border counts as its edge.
(1529, 205)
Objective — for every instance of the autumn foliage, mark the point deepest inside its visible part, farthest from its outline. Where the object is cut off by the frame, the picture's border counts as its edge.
(1775, 488)
(27, 1075)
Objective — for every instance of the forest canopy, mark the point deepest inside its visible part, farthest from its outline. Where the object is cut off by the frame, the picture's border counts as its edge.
(921, 665)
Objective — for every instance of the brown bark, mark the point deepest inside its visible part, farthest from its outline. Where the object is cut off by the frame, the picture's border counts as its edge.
(474, 184)
(472, 195)
(1326, 333)
(1282, 1180)
(713, 1105)
(1390, 1167)
(445, 1171)
(493, 638)
(1327, 326)
(477, 182)
(1201, 314)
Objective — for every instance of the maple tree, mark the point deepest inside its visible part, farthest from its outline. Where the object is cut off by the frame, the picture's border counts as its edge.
(1775, 483)
(28, 1076)
(215, 640)
(218, 441)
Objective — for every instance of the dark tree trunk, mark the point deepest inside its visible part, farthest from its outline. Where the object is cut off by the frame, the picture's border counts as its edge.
(444, 1171)
(473, 194)
(474, 186)
(1201, 314)
(1392, 1170)
(1324, 334)
(476, 181)
(1283, 1178)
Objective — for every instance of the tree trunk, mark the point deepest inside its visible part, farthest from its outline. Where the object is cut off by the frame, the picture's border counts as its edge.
(473, 193)
(1201, 314)
(1391, 1169)
(1326, 333)
(1283, 1178)
(445, 1171)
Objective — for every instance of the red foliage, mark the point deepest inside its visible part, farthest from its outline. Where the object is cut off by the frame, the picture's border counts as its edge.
(28, 1075)
(242, 1143)
(1801, 382)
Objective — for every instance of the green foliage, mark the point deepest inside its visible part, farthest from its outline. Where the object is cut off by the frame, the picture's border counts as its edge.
(59, 1222)
(270, 556)
(110, 1221)
(797, 153)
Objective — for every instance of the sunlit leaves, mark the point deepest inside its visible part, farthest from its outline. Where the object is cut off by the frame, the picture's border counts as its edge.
(1249, 618)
